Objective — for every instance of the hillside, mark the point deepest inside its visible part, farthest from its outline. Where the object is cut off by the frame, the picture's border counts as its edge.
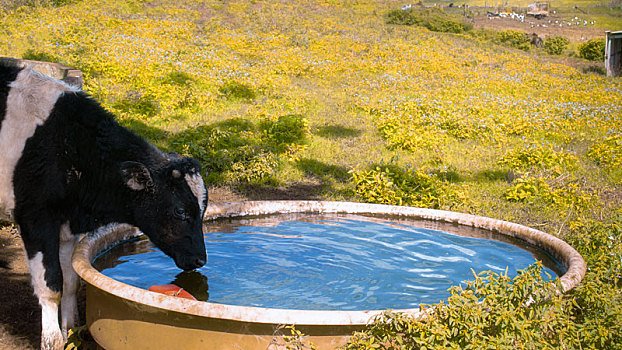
(324, 99)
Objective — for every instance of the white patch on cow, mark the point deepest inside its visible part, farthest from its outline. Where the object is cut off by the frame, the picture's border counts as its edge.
(68, 302)
(29, 103)
(195, 182)
(51, 336)
(135, 185)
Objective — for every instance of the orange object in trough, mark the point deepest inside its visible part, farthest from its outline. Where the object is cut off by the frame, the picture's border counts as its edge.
(172, 290)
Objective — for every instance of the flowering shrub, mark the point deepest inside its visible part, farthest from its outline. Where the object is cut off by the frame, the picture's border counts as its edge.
(608, 152)
(593, 49)
(535, 158)
(287, 129)
(556, 45)
(525, 189)
(597, 307)
(390, 184)
(435, 19)
(566, 196)
(237, 150)
(515, 39)
(493, 311)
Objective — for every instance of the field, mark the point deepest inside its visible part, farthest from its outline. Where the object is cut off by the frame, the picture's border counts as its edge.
(323, 99)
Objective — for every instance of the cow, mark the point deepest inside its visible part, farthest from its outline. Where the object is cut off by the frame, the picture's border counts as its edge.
(67, 167)
(535, 40)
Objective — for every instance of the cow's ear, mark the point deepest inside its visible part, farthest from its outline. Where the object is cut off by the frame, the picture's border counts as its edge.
(136, 176)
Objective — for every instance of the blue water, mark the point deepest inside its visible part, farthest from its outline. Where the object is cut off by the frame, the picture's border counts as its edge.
(326, 263)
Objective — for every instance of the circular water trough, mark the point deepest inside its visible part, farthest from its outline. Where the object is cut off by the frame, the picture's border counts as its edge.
(120, 316)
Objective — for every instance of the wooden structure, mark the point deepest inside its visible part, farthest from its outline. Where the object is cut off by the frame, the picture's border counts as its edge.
(613, 54)
(538, 10)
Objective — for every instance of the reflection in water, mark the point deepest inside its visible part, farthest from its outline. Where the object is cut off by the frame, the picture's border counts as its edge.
(194, 283)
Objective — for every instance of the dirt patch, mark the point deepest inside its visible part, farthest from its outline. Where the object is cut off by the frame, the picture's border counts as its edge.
(223, 194)
(612, 198)
(20, 316)
(544, 27)
(295, 191)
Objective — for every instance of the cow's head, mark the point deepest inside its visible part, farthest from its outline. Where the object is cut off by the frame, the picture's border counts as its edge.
(168, 203)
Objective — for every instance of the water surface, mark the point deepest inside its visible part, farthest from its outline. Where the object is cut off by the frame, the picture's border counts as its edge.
(327, 262)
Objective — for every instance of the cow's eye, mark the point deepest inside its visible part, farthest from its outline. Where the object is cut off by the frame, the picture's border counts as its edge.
(180, 213)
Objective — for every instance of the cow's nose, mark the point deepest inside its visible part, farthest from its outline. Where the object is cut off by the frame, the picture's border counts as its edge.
(191, 264)
(199, 262)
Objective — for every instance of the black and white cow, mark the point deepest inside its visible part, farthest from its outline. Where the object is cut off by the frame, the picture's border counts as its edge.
(66, 168)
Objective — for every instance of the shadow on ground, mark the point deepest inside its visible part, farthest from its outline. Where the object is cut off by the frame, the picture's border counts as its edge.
(294, 191)
(20, 316)
(321, 170)
(337, 131)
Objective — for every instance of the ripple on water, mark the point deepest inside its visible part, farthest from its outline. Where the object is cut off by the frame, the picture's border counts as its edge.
(327, 262)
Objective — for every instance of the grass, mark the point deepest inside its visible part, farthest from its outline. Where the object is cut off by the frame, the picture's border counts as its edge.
(218, 81)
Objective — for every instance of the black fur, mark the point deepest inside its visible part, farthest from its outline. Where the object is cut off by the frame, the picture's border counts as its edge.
(74, 169)
(8, 74)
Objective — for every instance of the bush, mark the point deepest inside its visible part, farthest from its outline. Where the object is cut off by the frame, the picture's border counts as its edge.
(598, 310)
(607, 152)
(389, 184)
(233, 151)
(593, 50)
(510, 38)
(539, 159)
(556, 45)
(492, 312)
(138, 103)
(435, 19)
(260, 169)
(287, 129)
(514, 38)
(405, 133)
(525, 189)
(239, 151)
(595, 69)
(563, 197)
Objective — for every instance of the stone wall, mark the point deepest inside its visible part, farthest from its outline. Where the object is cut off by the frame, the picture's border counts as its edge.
(58, 71)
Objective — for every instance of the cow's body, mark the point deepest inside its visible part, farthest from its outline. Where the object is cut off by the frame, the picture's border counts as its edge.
(66, 168)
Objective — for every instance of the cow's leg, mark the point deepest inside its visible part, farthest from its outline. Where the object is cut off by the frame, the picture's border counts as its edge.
(69, 302)
(49, 299)
(41, 241)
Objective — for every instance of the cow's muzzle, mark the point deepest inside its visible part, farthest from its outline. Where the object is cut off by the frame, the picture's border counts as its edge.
(190, 263)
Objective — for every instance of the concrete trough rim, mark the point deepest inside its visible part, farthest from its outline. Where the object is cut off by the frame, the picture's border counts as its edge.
(105, 237)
